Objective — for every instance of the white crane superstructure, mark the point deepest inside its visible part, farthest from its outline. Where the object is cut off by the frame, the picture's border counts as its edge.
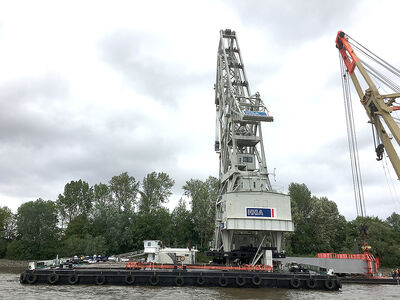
(249, 213)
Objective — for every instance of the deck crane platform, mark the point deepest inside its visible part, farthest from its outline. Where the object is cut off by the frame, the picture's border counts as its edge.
(250, 216)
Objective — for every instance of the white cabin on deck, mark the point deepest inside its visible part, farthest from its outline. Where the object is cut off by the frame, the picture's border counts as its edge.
(151, 247)
(157, 254)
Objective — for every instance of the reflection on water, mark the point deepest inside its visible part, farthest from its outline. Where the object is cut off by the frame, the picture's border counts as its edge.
(10, 288)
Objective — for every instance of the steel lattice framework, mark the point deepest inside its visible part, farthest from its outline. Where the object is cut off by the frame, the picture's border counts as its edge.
(239, 114)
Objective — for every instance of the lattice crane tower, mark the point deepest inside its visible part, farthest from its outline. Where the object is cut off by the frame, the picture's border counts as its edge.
(248, 212)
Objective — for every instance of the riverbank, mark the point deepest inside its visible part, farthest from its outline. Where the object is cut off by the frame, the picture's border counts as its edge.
(13, 266)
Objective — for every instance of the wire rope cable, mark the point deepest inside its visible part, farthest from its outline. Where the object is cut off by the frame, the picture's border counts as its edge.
(389, 180)
(352, 143)
(373, 56)
(381, 77)
(385, 77)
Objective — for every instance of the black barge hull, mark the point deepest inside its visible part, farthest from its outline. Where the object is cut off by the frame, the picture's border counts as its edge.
(370, 280)
(245, 279)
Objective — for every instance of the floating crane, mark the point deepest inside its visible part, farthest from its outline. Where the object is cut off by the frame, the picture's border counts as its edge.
(378, 107)
(249, 214)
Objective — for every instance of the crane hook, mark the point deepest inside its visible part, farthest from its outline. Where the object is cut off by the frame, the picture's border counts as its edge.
(379, 152)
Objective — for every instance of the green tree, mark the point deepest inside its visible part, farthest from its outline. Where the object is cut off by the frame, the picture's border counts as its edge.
(113, 213)
(318, 225)
(76, 200)
(95, 245)
(203, 195)
(381, 237)
(102, 196)
(156, 189)
(110, 225)
(326, 226)
(101, 207)
(86, 245)
(73, 245)
(79, 226)
(182, 225)
(16, 249)
(37, 229)
(6, 223)
(301, 202)
(154, 226)
(123, 189)
(6, 229)
(394, 221)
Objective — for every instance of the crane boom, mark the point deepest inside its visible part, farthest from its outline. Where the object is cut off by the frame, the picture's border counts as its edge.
(378, 107)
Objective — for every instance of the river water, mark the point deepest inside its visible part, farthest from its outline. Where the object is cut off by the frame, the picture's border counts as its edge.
(10, 288)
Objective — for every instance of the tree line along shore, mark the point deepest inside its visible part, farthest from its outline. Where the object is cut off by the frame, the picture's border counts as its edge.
(116, 217)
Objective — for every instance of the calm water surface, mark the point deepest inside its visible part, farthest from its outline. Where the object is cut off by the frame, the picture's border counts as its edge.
(10, 288)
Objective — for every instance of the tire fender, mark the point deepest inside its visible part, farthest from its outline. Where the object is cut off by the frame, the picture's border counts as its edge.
(129, 279)
(100, 280)
(223, 281)
(256, 280)
(31, 278)
(329, 284)
(22, 278)
(295, 283)
(53, 278)
(73, 279)
(240, 281)
(201, 280)
(179, 281)
(311, 283)
(154, 280)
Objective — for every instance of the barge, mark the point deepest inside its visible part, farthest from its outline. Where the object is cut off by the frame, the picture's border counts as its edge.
(176, 267)
(181, 277)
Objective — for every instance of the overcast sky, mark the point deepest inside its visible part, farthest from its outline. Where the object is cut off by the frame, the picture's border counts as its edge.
(91, 89)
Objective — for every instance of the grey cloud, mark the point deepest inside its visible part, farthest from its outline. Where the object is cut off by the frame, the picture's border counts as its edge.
(326, 168)
(294, 22)
(42, 150)
(32, 112)
(50, 85)
(130, 53)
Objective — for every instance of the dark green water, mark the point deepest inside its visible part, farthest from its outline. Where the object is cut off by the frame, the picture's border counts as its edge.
(10, 288)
